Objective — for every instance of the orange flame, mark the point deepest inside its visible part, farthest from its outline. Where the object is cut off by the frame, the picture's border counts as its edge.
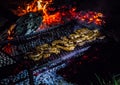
(58, 17)
(10, 32)
(36, 5)
(49, 19)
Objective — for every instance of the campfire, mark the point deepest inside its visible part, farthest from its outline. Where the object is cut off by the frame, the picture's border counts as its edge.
(75, 40)
(52, 16)
(39, 15)
(48, 35)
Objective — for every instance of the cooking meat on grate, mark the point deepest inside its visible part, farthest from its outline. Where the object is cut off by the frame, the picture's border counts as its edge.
(79, 38)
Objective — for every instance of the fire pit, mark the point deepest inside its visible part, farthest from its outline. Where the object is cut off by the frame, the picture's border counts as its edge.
(46, 36)
(37, 16)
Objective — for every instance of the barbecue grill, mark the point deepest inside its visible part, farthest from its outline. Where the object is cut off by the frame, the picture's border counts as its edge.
(21, 45)
(17, 46)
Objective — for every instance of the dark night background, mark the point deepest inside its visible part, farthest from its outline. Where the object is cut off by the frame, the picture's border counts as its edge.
(111, 50)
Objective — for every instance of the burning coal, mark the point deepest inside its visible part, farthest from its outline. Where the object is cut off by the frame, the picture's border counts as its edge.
(51, 18)
(59, 16)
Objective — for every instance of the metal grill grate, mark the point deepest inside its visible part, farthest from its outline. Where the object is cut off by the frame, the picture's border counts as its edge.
(5, 60)
(23, 44)
(21, 77)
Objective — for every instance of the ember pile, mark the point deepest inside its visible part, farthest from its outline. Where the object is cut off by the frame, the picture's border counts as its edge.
(39, 14)
(44, 7)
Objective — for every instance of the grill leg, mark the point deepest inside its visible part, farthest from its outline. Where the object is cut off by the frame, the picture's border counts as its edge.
(30, 72)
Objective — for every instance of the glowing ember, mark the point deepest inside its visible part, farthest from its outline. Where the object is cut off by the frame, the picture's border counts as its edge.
(91, 17)
(8, 48)
(61, 17)
(49, 19)
(10, 31)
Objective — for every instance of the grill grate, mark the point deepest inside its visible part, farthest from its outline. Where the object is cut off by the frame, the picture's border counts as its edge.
(23, 44)
(21, 77)
(5, 60)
